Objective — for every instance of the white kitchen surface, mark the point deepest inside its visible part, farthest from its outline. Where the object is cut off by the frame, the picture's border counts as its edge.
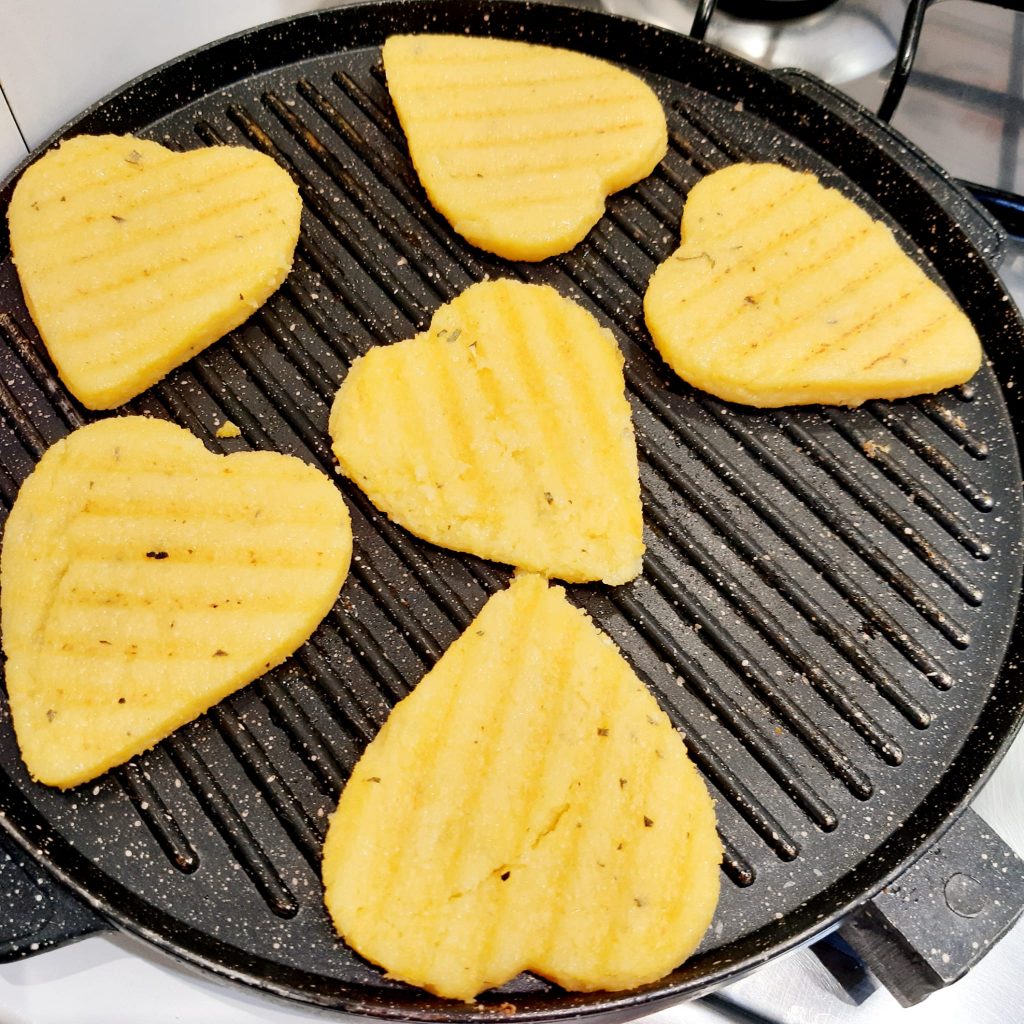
(12, 145)
(59, 56)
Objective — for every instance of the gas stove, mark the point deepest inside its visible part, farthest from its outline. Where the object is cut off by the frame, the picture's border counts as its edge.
(963, 105)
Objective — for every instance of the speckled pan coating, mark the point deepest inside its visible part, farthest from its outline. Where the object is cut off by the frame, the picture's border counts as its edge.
(828, 600)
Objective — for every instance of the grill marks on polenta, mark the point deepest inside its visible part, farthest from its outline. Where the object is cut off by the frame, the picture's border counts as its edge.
(518, 145)
(143, 579)
(503, 430)
(566, 831)
(785, 292)
(133, 258)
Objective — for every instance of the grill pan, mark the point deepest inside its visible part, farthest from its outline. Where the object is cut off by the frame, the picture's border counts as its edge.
(828, 606)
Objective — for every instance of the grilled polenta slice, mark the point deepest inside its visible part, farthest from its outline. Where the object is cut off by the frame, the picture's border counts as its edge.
(142, 579)
(502, 430)
(785, 292)
(529, 807)
(519, 145)
(133, 258)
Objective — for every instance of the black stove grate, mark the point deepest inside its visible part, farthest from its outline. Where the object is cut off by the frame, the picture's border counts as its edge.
(1007, 207)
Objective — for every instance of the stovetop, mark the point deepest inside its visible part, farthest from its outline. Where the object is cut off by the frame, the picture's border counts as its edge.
(964, 106)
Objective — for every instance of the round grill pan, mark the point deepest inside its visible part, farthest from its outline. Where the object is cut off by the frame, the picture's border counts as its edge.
(828, 604)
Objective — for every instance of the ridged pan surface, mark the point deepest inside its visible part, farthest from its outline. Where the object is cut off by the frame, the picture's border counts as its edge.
(828, 599)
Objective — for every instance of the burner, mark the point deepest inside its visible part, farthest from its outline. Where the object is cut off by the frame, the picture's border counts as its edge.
(838, 42)
(773, 10)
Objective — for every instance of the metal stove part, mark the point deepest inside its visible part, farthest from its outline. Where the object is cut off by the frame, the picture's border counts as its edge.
(839, 44)
(963, 105)
(964, 102)
(773, 10)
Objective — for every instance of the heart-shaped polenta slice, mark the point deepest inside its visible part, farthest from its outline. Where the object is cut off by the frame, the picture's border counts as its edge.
(143, 579)
(134, 258)
(503, 430)
(785, 292)
(519, 145)
(528, 807)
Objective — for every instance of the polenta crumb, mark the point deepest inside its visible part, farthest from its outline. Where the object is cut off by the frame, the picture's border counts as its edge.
(229, 429)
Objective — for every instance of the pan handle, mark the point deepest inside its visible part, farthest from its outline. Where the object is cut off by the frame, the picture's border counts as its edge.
(927, 928)
(38, 912)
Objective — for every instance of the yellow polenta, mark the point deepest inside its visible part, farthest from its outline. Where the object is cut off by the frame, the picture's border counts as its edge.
(518, 145)
(142, 579)
(133, 258)
(503, 430)
(786, 292)
(528, 807)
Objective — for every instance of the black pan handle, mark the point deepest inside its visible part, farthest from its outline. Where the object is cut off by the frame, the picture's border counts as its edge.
(37, 912)
(941, 916)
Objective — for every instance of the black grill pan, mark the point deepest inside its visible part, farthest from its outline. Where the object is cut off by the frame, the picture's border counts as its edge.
(829, 598)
